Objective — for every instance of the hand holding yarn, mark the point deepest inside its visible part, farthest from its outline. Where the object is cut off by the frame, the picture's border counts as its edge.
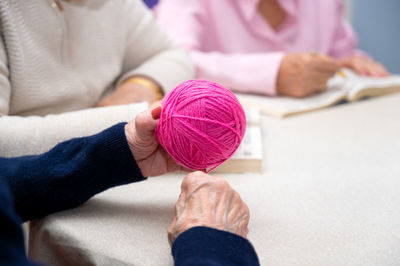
(201, 125)
(151, 158)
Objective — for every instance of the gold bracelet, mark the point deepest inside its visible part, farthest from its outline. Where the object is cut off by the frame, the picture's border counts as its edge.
(147, 83)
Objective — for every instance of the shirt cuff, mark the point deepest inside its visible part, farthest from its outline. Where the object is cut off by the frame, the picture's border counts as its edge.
(259, 74)
(208, 246)
(273, 70)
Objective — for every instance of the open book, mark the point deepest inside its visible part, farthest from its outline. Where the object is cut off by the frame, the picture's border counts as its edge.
(248, 157)
(350, 88)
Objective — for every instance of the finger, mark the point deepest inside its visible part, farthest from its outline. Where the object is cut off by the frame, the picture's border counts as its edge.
(370, 71)
(192, 179)
(359, 69)
(146, 123)
(243, 226)
(358, 64)
(156, 112)
(382, 71)
(371, 68)
(377, 70)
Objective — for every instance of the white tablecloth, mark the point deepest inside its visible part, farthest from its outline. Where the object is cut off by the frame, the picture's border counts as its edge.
(329, 195)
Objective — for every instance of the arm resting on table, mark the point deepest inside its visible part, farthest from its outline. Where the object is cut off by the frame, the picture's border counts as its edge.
(70, 173)
(23, 135)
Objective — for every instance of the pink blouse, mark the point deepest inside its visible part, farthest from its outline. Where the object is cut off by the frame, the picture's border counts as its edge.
(231, 43)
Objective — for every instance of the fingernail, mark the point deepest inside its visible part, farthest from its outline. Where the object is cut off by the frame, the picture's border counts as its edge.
(376, 74)
(156, 113)
(364, 72)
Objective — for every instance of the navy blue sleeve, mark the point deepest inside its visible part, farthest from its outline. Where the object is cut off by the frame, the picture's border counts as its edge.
(70, 173)
(12, 250)
(201, 246)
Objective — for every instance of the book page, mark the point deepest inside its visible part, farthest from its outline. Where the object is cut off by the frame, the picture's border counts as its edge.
(281, 106)
(361, 86)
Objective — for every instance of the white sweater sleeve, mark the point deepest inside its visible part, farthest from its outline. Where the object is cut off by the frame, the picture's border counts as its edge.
(159, 57)
(35, 134)
(148, 52)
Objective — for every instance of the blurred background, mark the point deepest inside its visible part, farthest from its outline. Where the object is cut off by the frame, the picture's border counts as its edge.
(377, 24)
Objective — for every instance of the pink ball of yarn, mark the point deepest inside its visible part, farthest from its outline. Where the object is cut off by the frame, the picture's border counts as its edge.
(201, 124)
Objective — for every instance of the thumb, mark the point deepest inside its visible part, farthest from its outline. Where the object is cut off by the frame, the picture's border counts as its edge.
(146, 123)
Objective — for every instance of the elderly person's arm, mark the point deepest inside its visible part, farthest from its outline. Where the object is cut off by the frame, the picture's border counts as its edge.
(75, 170)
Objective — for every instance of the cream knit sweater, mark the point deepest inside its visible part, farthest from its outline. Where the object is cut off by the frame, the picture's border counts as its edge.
(55, 65)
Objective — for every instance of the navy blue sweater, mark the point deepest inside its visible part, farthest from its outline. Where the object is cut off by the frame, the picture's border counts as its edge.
(69, 174)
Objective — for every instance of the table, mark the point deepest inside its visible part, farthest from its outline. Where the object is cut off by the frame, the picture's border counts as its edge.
(329, 195)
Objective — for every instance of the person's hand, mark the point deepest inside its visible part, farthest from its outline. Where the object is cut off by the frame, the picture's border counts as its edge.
(208, 201)
(303, 74)
(151, 158)
(128, 93)
(364, 66)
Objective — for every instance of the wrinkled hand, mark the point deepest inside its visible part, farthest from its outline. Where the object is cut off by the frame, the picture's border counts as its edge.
(303, 74)
(364, 66)
(208, 201)
(128, 93)
(151, 158)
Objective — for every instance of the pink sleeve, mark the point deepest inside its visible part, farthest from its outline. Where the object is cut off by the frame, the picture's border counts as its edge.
(184, 21)
(345, 40)
(250, 73)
